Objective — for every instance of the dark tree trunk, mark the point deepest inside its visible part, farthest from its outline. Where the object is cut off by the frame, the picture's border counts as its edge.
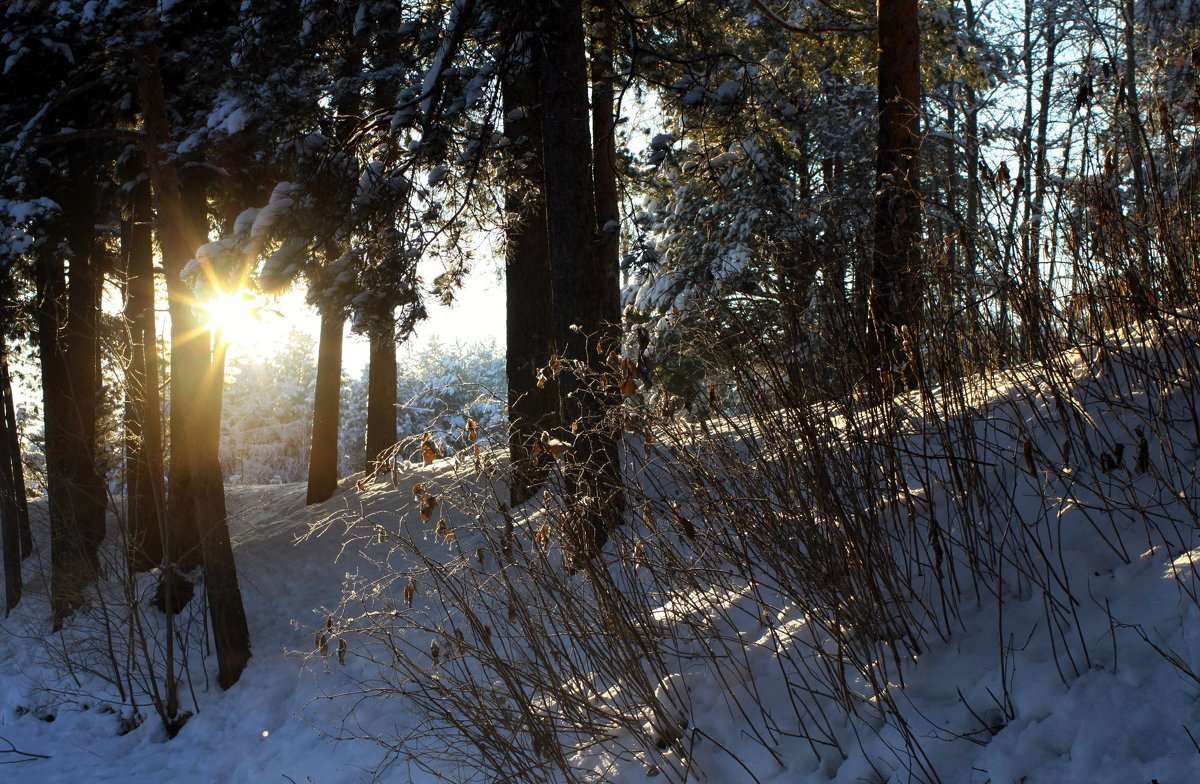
(14, 513)
(180, 231)
(894, 302)
(327, 398)
(67, 317)
(323, 455)
(13, 448)
(608, 232)
(532, 402)
(84, 286)
(969, 242)
(143, 423)
(381, 392)
(197, 531)
(71, 565)
(1139, 278)
(231, 634)
(604, 165)
(56, 411)
(578, 277)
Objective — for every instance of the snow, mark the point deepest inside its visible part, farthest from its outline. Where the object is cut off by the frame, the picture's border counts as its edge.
(1096, 679)
(440, 61)
(728, 90)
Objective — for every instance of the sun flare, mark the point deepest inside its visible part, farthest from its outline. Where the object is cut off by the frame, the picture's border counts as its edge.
(235, 314)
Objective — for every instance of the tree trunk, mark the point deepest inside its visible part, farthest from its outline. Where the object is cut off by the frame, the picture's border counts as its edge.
(84, 286)
(604, 165)
(145, 492)
(532, 403)
(323, 455)
(1020, 300)
(894, 303)
(381, 392)
(69, 566)
(67, 317)
(197, 532)
(231, 634)
(14, 512)
(1140, 278)
(1039, 301)
(51, 282)
(327, 398)
(970, 245)
(578, 279)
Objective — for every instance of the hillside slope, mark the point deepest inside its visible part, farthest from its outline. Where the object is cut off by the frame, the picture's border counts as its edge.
(1072, 655)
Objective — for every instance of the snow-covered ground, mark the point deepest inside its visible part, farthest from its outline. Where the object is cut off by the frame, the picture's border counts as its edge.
(1095, 680)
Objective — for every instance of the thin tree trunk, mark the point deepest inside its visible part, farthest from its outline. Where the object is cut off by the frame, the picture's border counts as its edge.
(608, 233)
(1140, 276)
(894, 302)
(532, 402)
(970, 246)
(13, 448)
(578, 278)
(82, 355)
(604, 165)
(145, 490)
(327, 398)
(381, 393)
(1038, 200)
(323, 455)
(14, 513)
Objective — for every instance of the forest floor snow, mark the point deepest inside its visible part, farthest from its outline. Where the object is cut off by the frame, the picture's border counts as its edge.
(1128, 714)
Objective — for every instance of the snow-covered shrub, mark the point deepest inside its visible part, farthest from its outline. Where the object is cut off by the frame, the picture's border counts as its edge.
(267, 415)
(443, 388)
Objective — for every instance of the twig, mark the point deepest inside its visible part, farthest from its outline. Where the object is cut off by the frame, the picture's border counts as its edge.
(14, 750)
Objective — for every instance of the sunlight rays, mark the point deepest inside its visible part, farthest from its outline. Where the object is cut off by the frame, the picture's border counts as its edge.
(233, 314)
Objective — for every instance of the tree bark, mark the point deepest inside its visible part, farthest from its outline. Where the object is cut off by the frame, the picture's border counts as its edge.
(381, 392)
(970, 245)
(14, 512)
(1139, 278)
(67, 317)
(608, 237)
(1035, 326)
(231, 634)
(323, 455)
(197, 530)
(578, 279)
(50, 277)
(532, 402)
(894, 301)
(145, 490)
(604, 165)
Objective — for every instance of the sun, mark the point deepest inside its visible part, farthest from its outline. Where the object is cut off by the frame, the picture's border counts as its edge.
(234, 314)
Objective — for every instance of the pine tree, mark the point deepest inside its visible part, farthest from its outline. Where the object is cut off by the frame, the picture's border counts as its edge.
(532, 391)
(894, 299)
(577, 273)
